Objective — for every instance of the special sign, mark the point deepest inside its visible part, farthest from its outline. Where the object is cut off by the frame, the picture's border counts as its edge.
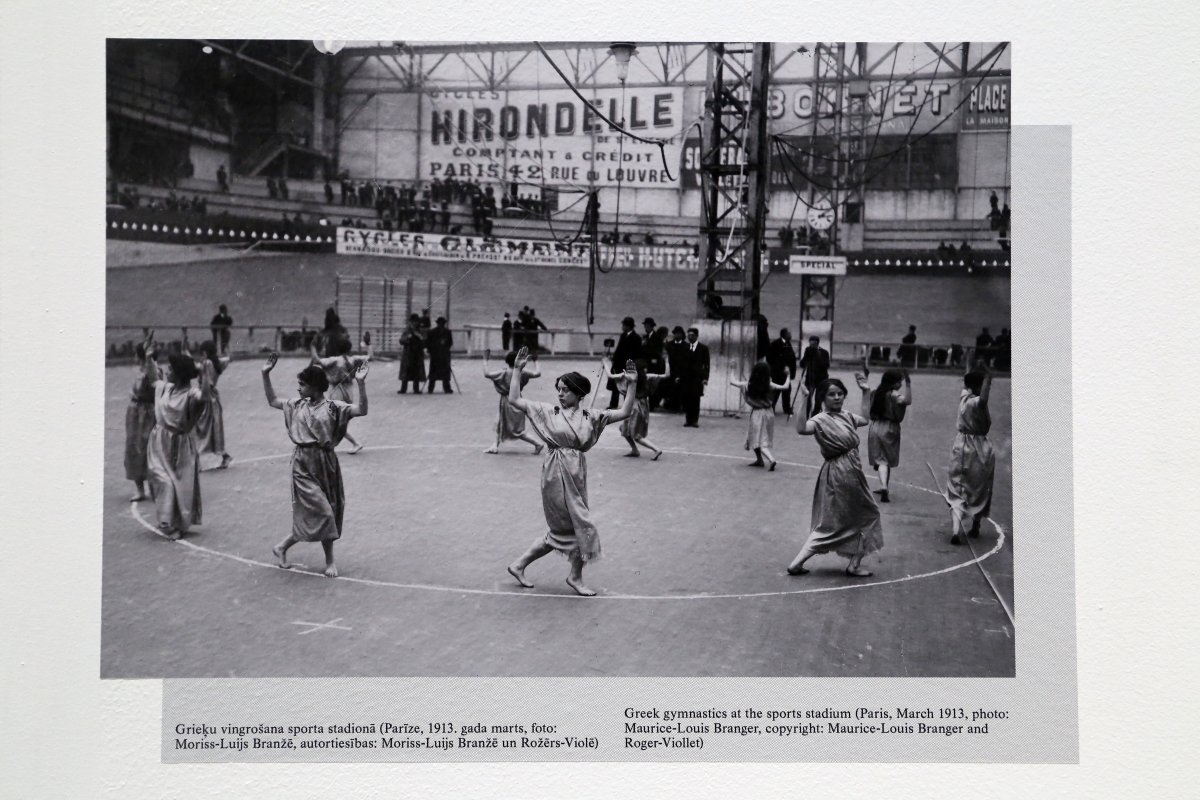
(552, 137)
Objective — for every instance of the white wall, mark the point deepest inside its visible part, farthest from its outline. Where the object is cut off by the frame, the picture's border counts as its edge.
(206, 158)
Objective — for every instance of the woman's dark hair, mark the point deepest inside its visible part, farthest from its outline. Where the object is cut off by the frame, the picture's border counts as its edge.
(332, 320)
(209, 348)
(758, 387)
(642, 390)
(974, 382)
(511, 358)
(314, 376)
(339, 346)
(575, 383)
(891, 380)
(823, 388)
(183, 368)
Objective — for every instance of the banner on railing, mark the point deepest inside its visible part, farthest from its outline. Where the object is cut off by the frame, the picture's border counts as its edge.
(438, 247)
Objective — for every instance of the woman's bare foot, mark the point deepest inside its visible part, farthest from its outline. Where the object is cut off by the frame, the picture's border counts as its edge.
(356, 449)
(758, 463)
(537, 449)
(519, 574)
(492, 450)
(633, 454)
(577, 585)
(772, 467)
(859, 572)
(174, 534)
(226, 460)
(280, 557)
(657, 453)
(331, 570)
(797, 571)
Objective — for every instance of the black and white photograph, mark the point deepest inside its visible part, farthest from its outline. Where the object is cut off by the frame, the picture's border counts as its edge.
(630, 359)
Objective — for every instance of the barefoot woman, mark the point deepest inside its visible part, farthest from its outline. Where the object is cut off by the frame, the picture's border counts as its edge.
(972, 461)
(172, 456)
(760, 396)
(315, 425)
(887, 406)
(339, 368)
(511, 422)
(569, 431)
(210, 430)
(139, 418)
(845, 518)
(636, 428)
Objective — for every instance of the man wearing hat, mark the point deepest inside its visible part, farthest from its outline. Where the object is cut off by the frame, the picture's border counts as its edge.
(694, 378)
(629, 348)
(676, 351)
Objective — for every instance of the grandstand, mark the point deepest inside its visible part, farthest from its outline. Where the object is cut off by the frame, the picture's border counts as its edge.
(180, 111)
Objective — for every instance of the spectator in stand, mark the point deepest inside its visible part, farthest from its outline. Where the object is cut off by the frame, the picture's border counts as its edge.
(283, 188)
(984, 344)
(506, 329)
(626, 240)
(287, 223)
(487, 226)
(345, 187)
(220, 329)
(1005, 219)
(272, 189)
(907, 351)
(445, 216)
(649, 238)
(763, 339)
(995, 214)
(781, 358)
(222, 179)
(328, 193)
(785, 237)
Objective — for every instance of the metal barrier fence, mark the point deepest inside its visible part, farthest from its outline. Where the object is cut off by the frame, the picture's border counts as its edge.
(244, 341)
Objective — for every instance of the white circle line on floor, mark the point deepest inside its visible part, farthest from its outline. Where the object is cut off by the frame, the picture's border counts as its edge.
(136, 514)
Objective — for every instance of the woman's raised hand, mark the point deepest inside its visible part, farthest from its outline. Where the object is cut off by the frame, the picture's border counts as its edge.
(861, 379)
(360, 374)
(272, 360)
(631, 371)
(522, 359)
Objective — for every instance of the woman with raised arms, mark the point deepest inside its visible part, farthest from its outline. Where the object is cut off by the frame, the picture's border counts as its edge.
(637, 426)
(972, 461)
(172, 454)
(845, 518)
(759, 391)
(511, 423)
(568, 431)
(887, 406)
(315, 425)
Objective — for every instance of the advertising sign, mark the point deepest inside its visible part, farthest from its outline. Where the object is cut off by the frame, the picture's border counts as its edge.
(987, 108)
(552, 137)
(534, 252)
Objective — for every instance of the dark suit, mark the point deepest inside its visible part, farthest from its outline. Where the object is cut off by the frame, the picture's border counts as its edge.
(676, 354)
(691, 382)
(815, 362)
(629, 348)
(782, 360)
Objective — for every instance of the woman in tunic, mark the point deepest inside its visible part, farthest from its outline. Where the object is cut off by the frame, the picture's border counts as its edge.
(315, 425)
(511, 422)
(412, 358)
(887, 406)
(172, 457)
(569, 431)
(139, 419)
(210, 429)
(760, 392)
(845, 518)
(637, 426)
(339, 369)
(972, 462)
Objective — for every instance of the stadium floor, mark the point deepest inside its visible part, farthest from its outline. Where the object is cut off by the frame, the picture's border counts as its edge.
(692, 582)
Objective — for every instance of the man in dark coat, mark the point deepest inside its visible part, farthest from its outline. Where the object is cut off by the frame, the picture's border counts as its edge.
(676, 351)
(412, 358)
(782, 360)
(506, 331)
(629, 348)
(815, 363)
(694, 378)
(220, 329)
(438, 342)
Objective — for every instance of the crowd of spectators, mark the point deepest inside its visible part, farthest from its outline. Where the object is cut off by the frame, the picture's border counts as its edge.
(131, 198)
(816, 241)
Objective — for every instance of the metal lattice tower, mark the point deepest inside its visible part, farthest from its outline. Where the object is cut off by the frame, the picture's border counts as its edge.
(735, 173)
